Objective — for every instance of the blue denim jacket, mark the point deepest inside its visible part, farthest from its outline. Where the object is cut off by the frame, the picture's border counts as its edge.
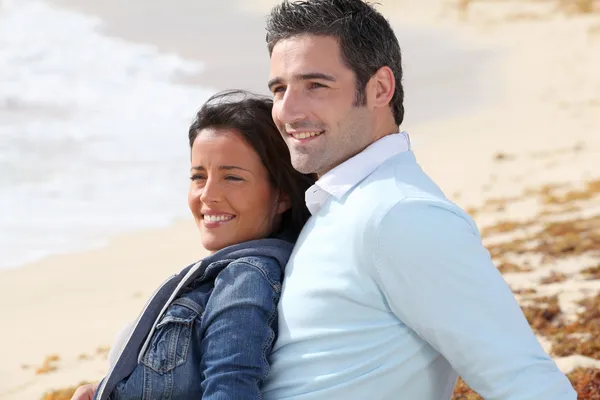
(208, 331)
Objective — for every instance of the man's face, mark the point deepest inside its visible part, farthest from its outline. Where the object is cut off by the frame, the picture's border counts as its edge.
(314, 95)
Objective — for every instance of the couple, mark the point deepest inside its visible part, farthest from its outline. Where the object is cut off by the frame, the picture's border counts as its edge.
(368, 283)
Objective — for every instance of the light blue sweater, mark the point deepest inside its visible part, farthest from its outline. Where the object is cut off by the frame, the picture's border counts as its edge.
(390, 294)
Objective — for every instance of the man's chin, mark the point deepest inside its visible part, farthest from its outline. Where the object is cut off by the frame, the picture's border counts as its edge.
(303, 166)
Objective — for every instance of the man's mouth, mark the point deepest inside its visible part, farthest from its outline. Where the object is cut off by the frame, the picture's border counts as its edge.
(305, 135)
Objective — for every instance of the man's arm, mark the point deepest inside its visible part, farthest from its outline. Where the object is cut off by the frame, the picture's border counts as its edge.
(440, 281)
(238, 335)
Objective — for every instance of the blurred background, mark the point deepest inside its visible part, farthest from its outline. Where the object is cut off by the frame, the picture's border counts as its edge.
(94, 108)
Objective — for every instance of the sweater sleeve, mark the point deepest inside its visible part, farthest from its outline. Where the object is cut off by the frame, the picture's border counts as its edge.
(439, 280)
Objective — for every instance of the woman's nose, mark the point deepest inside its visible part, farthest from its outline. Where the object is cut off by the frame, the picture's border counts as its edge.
(211, 192)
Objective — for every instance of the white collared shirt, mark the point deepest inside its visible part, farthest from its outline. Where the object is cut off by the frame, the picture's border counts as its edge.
(345, 176)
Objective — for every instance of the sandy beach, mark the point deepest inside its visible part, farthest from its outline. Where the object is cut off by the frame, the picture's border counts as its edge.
(65, 310)
(523, 158)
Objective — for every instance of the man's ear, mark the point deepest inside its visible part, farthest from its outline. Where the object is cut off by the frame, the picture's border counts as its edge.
(284, 203)
(381, 87)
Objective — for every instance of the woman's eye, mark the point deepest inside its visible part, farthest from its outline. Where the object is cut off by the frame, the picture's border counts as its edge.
(197, 177)
(233, 178)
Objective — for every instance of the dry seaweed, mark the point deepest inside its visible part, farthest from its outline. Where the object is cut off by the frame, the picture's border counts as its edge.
(62, 394)
(462, 391)
(569, 7)
(552, 239)
(48, 365)
(592, 273)
(585, 381)
(557, 196)
(505, 227)
(507, 267)
(497, 204)
(524, 291)
(500, 156)
(553, 277)
(579, 337)
(559, 239)
(544, 315)
(579, 6)
(591, 189)
(582, 336)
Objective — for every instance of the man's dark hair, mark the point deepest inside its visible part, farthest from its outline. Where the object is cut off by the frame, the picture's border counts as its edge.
(250, 115)
(367, 41)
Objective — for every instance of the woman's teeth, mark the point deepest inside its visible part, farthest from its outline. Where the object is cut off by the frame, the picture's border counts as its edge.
(217, 218)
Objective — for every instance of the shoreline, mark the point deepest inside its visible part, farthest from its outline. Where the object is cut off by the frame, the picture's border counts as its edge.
(432, 100)
(426, 99)
(238, 57)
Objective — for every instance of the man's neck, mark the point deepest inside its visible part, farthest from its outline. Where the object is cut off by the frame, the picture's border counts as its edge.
(394, 130)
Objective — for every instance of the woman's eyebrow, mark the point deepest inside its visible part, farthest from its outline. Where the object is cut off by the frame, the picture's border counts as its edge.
(230, 167)
(222, 167)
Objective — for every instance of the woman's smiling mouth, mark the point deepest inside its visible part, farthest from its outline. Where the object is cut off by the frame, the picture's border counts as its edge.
(214, 220)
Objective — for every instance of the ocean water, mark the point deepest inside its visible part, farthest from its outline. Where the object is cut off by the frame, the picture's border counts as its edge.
(93, 129)
(93, 133)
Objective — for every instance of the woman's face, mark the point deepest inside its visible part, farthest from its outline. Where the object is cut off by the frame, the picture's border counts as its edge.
(231, 195)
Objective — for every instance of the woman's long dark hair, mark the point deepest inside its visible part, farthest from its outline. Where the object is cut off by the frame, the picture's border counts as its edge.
(250, 115)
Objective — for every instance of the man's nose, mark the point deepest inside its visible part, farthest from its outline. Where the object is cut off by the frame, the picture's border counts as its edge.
(291, 108)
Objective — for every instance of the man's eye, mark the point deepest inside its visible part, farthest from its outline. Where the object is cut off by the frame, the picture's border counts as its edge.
(278, 89)
(315, 85)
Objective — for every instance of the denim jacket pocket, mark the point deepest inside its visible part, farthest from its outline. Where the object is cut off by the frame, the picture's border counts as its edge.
(168, 347)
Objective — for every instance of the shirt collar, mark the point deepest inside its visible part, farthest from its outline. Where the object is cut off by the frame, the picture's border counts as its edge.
(345, 176)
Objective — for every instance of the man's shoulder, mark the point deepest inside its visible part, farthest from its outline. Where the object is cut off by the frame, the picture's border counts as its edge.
(402, 176)
(399, 179)
(401, 190)
(426, 210)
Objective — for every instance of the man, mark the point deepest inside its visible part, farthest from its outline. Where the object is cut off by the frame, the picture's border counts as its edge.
(389, 293)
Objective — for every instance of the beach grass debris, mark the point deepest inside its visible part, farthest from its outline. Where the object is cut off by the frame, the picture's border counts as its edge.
(579, 6)
(553, 277)
(506, 267)
(524, 291)
(501, 156)
(462, 391)
(592, 273)
(48, 365)
(62, 394)
(585, 381)
(569, 7)
(581, 336)
(555, 239)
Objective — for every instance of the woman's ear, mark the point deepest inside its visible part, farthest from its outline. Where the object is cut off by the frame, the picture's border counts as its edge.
(284, 203)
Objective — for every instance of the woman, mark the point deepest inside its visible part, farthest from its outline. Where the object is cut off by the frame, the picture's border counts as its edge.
(208, 331)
